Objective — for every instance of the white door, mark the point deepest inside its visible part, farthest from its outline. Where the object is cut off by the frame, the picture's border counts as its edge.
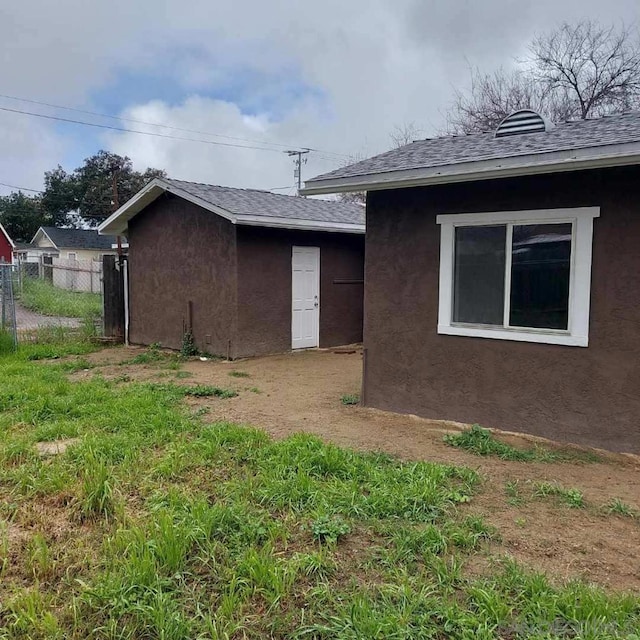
(305, 278)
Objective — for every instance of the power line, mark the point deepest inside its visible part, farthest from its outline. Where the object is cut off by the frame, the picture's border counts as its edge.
(13, 186)
(144, 133)
(157, 124)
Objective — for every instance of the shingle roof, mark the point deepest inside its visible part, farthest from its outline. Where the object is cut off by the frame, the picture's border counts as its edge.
(252, 202)
(79, 238)
(452, 150)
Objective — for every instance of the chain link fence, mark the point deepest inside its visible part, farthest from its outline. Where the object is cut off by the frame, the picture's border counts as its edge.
(58, 292)
(8, 327)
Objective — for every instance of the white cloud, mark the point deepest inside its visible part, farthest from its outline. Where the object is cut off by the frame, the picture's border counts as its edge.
(372, 64)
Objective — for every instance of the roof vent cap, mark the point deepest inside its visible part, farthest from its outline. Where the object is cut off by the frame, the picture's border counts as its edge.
(523, 121)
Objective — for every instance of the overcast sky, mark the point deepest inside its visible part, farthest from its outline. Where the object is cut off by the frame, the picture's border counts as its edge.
(334, 75)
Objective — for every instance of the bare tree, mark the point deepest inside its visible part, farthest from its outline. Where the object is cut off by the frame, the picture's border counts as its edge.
(405, 133)
(576, 71)
(597, 68)
(400, 135)
(355, 197)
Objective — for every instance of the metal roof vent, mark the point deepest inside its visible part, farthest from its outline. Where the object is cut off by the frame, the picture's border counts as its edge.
(523, 121)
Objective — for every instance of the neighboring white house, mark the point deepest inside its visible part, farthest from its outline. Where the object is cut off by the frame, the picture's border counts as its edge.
(76, 256)
(74, 244)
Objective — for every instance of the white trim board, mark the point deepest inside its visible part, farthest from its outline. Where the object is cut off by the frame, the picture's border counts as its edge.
(577, 333)
(530, 164)
(117, 223)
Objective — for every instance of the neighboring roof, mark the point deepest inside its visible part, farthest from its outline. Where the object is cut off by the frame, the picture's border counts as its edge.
(77, 238)
(28, 246)
(3, 231)
(581, 144)
(245, 207)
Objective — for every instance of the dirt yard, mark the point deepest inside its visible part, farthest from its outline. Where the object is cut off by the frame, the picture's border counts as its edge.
(302, 392)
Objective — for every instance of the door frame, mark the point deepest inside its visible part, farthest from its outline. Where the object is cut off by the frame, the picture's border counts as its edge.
(317, 260)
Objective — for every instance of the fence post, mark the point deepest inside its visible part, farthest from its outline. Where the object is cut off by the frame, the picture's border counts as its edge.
(47, 268)
(113, 297)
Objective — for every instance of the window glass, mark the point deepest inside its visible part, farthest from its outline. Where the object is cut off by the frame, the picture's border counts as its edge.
(540, 271)
(479, 274)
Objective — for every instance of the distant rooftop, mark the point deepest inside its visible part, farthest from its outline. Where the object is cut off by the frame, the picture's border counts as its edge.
(79, 238)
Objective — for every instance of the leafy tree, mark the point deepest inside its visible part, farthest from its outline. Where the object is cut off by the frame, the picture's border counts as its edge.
(22, 215)
(91, 189)
(576, 71)
(59, 197)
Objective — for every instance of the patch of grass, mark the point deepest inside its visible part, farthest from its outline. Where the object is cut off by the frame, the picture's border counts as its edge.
(481, 442)
(620, 508)
(571, 497)
(204, 391)
(41, 296)
(512, 489)
(239, 374)
(156, 524)
(350, 399)
(97, 498)
(254, 390)
(7, 343)
(151, 355)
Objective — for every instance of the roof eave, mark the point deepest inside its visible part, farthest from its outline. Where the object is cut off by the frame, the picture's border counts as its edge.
(299, 225)
(553, 162)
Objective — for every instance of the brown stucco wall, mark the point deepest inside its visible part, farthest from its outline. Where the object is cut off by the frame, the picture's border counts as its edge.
(264, 288)
(180, 253)
(582, 395)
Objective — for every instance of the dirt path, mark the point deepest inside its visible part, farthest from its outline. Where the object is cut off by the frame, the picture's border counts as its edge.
(301, 392)
(27, 320)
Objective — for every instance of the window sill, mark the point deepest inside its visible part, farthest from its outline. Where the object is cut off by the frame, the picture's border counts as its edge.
(540, 336)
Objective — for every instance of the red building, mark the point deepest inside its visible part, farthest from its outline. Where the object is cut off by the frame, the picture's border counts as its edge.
(6, 246)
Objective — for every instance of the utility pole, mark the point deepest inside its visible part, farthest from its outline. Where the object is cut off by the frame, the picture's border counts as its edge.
(297, 163)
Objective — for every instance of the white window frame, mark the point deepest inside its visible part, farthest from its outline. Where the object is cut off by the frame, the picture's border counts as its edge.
(577, 333)
(74, 254)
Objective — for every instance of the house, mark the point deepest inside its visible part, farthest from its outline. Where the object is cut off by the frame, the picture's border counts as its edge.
(248, 272)
(506, 268)
(74, 244)
(70, 258)
(7, 246)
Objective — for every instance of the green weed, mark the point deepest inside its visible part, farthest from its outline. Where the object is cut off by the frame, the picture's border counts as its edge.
(329, 529)
(204, 391)
(620, 508)
(571, 497)
(239, 374)
(350, 399)
(481, 442)
(188, 348)
(98, 499)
